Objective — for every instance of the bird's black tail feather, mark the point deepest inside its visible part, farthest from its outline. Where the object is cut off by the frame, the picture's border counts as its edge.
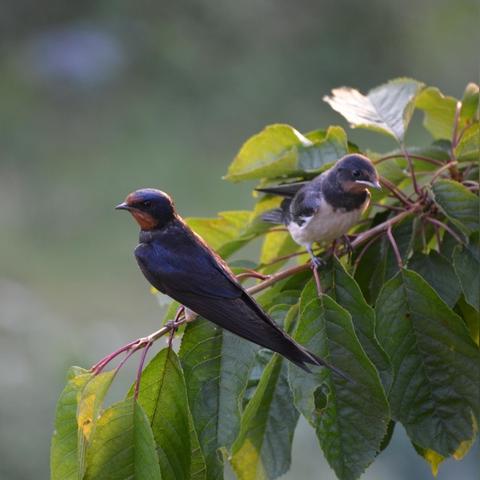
(284, 190)
(273, 216)
(323, 363)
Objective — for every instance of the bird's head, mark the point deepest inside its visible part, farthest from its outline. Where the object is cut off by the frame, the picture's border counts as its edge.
(355, 173)
(151, 208)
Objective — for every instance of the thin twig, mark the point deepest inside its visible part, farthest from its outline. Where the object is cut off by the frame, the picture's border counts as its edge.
(446, 227)
(393, 242)
(140, 368)
(388, 207)
(317, 280)
(454, 173)
(410, 167)
(395, 191)
(363, 251)
(251, 274)
(438, 172)
(433, 161)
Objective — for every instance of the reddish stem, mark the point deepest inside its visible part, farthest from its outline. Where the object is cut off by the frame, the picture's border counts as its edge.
(446, 227)
(391, 238)
(416, 157)
(397, 193)
(251, 274)
(410, 167)
(317, 280)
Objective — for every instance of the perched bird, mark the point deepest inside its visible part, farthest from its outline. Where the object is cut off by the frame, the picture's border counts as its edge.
(177, 262)
(326, 207)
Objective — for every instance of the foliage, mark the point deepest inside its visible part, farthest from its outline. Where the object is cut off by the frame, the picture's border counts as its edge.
(400, 319)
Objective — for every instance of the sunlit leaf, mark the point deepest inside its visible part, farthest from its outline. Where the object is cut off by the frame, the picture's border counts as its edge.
(436, 364)
(386, 109)
(280, 150)
(459, 204)
(324, 152)
(89, 404)
(276, 245)
(226, 233)
(439, 112)
(63, 455)
(470, 101)
(263, 447)
(468, 148)
(122, 445)
(216, 365)
(350, 416)
(269, 153)
(163, 397)
(433, 458)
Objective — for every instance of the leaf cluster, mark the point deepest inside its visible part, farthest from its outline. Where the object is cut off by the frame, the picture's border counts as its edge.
(400, 318)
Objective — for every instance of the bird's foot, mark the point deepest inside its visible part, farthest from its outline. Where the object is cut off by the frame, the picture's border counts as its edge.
(175, 323)
(317, 262)
(348, 246)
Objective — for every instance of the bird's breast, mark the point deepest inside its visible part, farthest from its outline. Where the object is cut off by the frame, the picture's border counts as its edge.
(325, 225)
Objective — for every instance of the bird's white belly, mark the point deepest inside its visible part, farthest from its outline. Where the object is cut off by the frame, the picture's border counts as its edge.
(325, 226)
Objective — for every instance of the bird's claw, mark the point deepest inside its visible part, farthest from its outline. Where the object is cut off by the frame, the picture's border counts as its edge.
(348, 245)
(317, 262)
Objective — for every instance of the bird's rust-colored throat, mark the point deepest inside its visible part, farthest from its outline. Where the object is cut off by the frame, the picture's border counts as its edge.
(145, 220)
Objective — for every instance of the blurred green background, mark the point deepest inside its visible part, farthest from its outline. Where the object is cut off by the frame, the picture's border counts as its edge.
(98, 98)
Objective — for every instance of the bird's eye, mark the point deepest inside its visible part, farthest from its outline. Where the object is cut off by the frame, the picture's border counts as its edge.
(147, 203)
(356, 173)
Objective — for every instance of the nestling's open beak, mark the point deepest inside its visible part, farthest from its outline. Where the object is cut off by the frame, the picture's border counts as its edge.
(374, 184)
(122, 206)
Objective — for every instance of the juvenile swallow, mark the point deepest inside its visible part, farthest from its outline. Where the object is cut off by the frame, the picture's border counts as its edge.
(326, 207)
(177, 262)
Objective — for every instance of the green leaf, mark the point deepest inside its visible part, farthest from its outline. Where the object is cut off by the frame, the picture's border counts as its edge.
(276, 244)
(468, 148)
(216, 365)
(470, 103)
(225, 234)
(263, 447)
(439, 112)
(350, 417)
(122, 445)
(471, 318)
(63, 455)
(90, 402)
(385, 261)
(466, 261)
(433, 458)
(436, 364)
(324, 152)
(198, 468)
(346, 292)
(386, 109)
(439, 273)
(280, 150)
(459, 204)
(269, 153)
(163, 397)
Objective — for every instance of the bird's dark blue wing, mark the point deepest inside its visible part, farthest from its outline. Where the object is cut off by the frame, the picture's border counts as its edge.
(181, 264)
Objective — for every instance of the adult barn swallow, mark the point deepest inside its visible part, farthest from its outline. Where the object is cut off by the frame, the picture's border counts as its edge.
(177, 262)
(326, 207)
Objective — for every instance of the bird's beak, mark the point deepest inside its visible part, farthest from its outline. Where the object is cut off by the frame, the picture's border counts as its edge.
(122, 206)
(374, 184)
